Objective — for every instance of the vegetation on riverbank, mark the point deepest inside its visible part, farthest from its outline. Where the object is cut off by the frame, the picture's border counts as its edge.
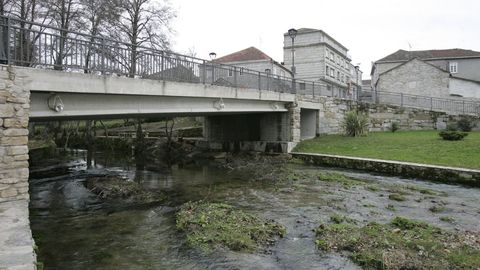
(411, 146)
(211, 225)
(401, 244)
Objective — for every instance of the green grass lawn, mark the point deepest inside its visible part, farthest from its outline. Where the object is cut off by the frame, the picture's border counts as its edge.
(412, 146)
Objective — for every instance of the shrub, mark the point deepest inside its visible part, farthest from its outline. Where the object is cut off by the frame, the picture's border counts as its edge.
(452, 135)
(355, 124)
(394, 127)
(465, 124)
(451, 127)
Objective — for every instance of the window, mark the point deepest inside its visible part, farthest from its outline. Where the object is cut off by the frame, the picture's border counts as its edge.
(302, 86)
(338, 75)
(332, 72)
(327, 70)
(332, 56)
(230, 72)
(453, 67)
(341, 78)
(242, 70)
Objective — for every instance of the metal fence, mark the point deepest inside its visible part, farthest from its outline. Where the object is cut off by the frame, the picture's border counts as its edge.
(31, 44)
(458, 106)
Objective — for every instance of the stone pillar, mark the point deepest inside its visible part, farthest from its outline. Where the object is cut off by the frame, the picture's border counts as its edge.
(14, 114)
(295, 125)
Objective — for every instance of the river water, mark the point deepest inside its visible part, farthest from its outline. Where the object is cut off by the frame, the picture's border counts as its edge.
(74, 229)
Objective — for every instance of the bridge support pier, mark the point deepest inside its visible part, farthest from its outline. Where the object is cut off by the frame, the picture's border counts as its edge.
(262, 132)
(16, 243)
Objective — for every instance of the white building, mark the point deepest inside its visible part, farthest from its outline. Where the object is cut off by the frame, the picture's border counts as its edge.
(319, 57)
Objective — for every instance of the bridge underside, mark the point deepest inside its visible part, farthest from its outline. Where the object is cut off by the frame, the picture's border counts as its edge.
(98, 106)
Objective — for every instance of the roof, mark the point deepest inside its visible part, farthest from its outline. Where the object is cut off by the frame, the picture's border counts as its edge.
(402, 55)
(247, 54)
(411, 60)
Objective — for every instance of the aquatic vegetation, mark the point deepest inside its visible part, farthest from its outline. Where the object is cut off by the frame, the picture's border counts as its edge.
(340, 178)
(447, 219)
(437, 209)
(401, 244)
(397, 197)
(391, 207)
(211, 225)
(337, 219)
(115, 187)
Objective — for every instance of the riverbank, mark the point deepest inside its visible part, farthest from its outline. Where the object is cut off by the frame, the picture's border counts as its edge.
(424, 147)
(441, 174)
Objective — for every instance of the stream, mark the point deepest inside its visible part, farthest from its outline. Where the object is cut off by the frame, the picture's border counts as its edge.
(74, 229)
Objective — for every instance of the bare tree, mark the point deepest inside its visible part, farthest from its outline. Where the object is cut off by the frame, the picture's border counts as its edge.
(27, 12)
(97, 18)
(65, 15)
(145, 22)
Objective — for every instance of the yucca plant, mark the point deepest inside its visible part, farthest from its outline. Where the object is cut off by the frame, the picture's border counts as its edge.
(355, 124)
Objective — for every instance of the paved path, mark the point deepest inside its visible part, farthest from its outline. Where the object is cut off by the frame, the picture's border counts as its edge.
(16, 242)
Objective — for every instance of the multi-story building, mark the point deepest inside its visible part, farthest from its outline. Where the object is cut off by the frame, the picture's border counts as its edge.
(319, 57)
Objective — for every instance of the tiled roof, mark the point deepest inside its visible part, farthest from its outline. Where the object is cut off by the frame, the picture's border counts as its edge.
(248, 54)
(402, 55)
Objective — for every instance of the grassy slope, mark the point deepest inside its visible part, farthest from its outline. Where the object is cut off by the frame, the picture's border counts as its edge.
(412, 146)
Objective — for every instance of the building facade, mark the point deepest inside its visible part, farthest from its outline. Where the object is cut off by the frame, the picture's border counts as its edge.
(319, 57)
(254, 59)
(437, 73)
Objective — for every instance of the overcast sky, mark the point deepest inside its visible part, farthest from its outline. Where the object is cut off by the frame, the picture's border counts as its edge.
(370, 29)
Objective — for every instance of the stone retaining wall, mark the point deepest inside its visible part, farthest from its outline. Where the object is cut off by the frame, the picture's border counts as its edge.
(382, 116)
(14, 114)
(412, 170)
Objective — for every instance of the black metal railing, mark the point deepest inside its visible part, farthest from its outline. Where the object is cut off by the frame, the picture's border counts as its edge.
(36, 45)
(30, 44)
(458, 105)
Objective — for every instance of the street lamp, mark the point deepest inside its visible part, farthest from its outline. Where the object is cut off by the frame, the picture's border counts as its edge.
(212, 55)
(293, 33)
(357, 93)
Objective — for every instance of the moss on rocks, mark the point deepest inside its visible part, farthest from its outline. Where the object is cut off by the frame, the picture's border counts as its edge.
(211, 225)
(401, 244)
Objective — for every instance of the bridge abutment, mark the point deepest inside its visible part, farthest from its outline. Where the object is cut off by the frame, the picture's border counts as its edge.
(14, 112)
(16, 242)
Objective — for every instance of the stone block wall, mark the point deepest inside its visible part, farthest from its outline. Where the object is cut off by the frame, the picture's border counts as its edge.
(382, 116)
(14, 114)
(332, 114)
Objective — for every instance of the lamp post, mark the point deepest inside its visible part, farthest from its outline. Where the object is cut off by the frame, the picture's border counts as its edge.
(213, 55)
(292, 33)
(357, 67)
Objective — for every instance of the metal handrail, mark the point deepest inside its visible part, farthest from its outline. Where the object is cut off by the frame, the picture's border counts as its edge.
(458, 105)
(44, 46)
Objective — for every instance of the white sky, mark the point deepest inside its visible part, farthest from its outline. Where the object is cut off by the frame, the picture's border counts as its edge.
(370, 29)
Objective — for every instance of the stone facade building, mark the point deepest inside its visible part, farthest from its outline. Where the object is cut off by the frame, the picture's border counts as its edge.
(319, 57)
(436, 73)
